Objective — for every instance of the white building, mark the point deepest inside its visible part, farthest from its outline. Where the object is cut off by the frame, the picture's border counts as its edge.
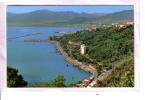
(82, 49)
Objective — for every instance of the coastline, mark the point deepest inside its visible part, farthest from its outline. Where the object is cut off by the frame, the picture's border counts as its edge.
(78, 64)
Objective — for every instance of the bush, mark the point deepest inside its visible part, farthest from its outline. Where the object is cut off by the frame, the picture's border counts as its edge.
(14, 79)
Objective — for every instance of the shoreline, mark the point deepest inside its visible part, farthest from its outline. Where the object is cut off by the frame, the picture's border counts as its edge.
(78, 64)
(72, 61)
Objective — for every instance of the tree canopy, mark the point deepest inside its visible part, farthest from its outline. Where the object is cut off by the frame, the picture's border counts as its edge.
(107, 47)
(14, 79)
(59, 81)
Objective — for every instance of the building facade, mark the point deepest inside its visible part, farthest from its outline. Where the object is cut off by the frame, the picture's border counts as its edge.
(82, 49)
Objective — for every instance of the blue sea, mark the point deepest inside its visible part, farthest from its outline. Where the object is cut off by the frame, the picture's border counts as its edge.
(39, 61)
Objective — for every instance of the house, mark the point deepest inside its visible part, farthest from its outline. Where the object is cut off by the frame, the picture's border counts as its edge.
(86, 81)
(122, 24)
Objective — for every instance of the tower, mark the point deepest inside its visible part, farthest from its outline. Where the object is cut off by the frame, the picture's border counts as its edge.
(82, 49)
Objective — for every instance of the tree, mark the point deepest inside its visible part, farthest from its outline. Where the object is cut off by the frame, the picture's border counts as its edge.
(58, 82)
(14, 79)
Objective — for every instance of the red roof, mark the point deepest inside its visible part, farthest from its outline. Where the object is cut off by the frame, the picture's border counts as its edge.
(87, 79)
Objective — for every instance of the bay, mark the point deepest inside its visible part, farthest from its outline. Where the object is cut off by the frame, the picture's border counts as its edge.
(39, 61)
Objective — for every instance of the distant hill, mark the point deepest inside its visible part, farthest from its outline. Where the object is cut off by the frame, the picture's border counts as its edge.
(117, 17)
(45, 17)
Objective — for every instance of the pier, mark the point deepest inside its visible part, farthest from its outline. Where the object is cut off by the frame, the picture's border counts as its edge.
(27, 35)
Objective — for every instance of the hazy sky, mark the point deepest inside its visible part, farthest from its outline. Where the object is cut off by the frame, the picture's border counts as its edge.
(80, 9)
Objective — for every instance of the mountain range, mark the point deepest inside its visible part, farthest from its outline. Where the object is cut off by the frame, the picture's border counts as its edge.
(46, 17)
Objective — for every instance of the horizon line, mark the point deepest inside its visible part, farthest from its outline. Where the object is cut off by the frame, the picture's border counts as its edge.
(68, 11)
(78, 9)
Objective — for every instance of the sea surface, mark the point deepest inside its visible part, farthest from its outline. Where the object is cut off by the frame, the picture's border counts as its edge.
(39, 61)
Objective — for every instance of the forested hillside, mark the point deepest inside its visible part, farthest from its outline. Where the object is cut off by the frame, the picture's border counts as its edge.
(51, 18)
(121, 76)
(107, 48)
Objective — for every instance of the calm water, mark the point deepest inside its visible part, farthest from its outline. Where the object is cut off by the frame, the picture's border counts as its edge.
(39, 61)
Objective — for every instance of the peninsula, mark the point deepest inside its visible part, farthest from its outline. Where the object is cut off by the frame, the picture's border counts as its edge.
(98, 51)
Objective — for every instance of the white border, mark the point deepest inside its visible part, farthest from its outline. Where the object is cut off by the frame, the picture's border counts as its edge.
(69, 2)
(77, 2)
(2, 45)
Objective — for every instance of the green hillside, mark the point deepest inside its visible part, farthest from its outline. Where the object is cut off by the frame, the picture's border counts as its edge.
(46, 16)
(122, 16)
(121, 76)
(104, 45)
(50, 18)
(107, 48)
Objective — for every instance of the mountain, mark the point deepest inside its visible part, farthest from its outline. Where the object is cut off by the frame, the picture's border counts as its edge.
(126, 15)
(45, 17)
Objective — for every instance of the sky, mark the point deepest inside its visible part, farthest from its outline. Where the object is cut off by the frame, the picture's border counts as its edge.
(79, 9)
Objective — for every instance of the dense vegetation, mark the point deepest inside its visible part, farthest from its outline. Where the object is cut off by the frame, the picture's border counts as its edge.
(54, 38)
(57, 82)
(104, 45)
(121, 76)
(106, 48)
(14, 79)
